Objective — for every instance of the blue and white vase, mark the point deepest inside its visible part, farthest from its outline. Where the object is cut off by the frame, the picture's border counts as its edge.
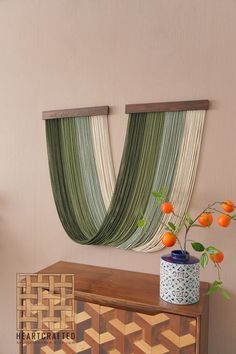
(179, 278)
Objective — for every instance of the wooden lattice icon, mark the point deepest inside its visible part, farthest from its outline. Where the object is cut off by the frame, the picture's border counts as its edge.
(45, 302)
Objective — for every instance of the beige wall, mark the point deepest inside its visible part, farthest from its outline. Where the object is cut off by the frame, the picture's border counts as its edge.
(68, 53)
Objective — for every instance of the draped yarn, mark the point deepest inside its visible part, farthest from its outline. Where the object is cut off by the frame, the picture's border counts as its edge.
(161, 149)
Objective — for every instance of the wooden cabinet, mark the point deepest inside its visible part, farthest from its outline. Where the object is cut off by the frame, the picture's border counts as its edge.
(120, 312)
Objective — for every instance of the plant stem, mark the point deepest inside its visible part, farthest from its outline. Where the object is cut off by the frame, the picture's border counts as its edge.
(176, 214)
(185, 238)
(188, 227)
(218, 270)
(219, 211)
(180, 244)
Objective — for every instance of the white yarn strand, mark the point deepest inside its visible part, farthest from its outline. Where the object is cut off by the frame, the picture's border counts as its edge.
(103, 157)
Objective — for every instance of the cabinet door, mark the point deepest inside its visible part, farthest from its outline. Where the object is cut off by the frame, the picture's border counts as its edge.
(124, 332)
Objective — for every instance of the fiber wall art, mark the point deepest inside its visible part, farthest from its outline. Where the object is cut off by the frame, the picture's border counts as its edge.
(161, 148)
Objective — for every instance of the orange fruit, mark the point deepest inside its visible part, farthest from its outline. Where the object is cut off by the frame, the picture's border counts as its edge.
(218, 257)
(228, 206)
(168, 239)
(224, 220)
(167, 207)
(206, 219)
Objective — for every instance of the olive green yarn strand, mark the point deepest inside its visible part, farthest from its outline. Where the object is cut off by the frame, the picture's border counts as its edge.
(70, 198)
(166, 171)
(165, 174)
(128, 181)
(58, 179)
(74, 182)
(145, 172)
(165, 167)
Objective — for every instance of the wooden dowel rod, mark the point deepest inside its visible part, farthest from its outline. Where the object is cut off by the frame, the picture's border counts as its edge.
(76, 112)
(167, 106)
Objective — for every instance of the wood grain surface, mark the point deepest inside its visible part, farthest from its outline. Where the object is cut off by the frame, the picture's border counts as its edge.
(126, 290)
(76, 112)
(167, 106)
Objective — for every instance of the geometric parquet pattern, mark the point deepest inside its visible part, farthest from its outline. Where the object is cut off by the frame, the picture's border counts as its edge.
(106, 330)
(136, 333)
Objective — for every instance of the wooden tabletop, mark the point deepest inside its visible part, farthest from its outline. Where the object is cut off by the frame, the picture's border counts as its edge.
(123, 289)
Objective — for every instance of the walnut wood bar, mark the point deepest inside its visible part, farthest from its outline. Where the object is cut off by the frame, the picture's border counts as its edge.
(76, 112)
(167, 106)
(121, 312)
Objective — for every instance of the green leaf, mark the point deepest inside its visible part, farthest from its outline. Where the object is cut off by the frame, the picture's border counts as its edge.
(217, 283)
(225, 294)
(233, 217)
(164, 191)
(160, 198)
(141, 223)
(188, 218)
(198, 246)
(212, 250)
(157, 194)
(204, 260)
(171, 226)
(196, 225)
(212, 290)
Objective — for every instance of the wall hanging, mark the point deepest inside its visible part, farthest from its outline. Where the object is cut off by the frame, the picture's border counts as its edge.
(161, 148)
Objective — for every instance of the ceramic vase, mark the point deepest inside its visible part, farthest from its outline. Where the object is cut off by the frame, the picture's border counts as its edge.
(179, 278)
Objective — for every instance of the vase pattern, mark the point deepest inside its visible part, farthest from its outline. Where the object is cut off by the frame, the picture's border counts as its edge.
(179, 283)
